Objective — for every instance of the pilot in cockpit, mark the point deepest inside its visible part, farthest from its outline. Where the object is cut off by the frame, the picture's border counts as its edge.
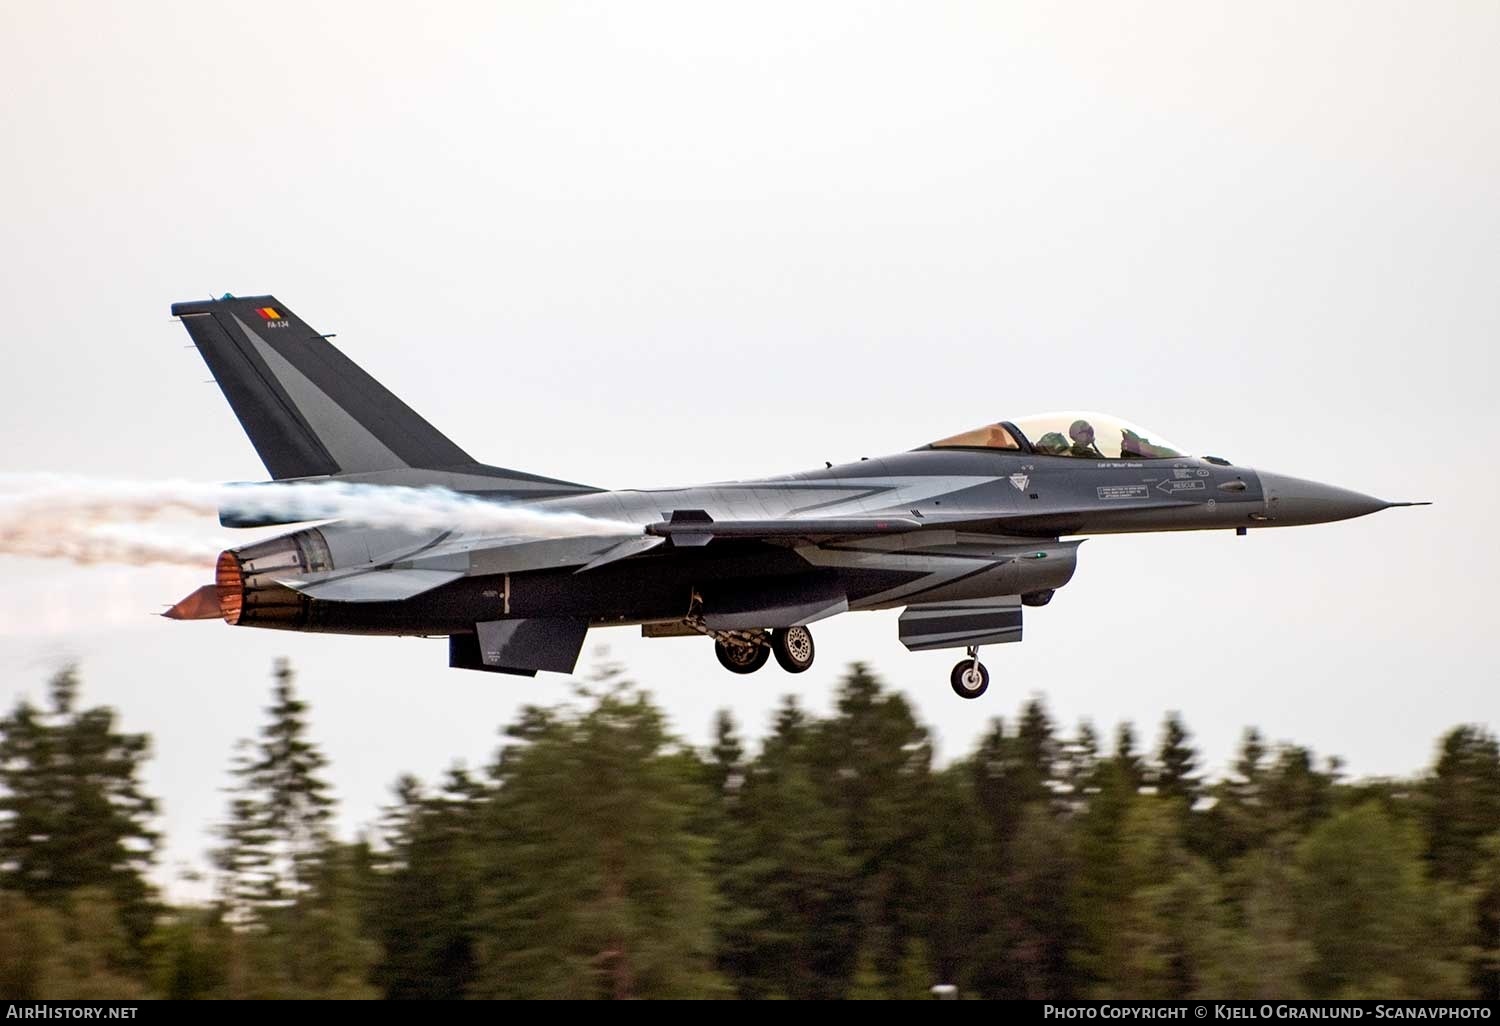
(1133, 445)
(1052, 444)
(1082, 434)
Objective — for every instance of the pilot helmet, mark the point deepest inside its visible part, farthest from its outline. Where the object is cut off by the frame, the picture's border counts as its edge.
(1051, 444)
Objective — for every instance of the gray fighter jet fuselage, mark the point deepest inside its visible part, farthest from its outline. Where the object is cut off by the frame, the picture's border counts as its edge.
(961, 533)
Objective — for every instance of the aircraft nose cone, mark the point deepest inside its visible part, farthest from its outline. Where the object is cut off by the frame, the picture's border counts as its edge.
(1291, 501)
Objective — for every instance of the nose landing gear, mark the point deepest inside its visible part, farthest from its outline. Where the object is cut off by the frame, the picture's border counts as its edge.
(969, 678)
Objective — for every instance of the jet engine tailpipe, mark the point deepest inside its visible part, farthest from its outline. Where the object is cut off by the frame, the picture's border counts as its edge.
(245, 579)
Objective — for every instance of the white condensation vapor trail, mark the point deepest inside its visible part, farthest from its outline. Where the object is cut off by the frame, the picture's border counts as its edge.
(416, 508)
(90, 544)
(95, 520)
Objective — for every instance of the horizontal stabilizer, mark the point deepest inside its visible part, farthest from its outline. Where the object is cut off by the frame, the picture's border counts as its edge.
(370, 585)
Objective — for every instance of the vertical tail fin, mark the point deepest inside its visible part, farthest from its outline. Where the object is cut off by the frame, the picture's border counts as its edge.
(310, 411)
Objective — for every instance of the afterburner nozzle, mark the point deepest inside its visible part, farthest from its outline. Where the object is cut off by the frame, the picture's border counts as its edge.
(229, 583)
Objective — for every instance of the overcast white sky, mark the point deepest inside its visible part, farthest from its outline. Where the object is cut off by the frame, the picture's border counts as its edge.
(652, 244)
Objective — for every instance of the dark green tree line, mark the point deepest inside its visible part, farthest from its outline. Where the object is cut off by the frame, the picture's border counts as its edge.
(76, 842)
(598, 855)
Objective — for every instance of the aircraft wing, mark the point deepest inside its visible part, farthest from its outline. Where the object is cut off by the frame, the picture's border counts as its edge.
(406, 575)
(692, 528)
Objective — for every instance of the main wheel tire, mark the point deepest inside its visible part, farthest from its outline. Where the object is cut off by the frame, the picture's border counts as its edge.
(741, 658)
(793, 648)
(969, 679)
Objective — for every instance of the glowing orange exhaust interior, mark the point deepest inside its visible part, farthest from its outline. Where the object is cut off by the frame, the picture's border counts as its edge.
(230, 582)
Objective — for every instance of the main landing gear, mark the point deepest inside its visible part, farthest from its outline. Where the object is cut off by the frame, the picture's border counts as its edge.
(746, 652)
(793, 648)
(969, 678)
(738, 656)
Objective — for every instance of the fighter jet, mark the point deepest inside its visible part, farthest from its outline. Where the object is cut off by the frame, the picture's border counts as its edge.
(963, 532)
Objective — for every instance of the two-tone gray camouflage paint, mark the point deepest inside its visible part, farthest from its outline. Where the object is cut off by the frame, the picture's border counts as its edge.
(959, 537)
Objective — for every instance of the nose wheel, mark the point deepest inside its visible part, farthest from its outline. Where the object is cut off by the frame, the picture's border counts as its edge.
(969, 678)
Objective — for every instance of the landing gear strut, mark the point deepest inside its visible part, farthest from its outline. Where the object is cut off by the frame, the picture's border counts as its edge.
(969, 678)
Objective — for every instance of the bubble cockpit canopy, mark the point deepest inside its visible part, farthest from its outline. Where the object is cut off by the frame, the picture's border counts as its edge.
(1080, 434)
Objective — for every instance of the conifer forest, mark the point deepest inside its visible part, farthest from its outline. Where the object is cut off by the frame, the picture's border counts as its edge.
(596, 855)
